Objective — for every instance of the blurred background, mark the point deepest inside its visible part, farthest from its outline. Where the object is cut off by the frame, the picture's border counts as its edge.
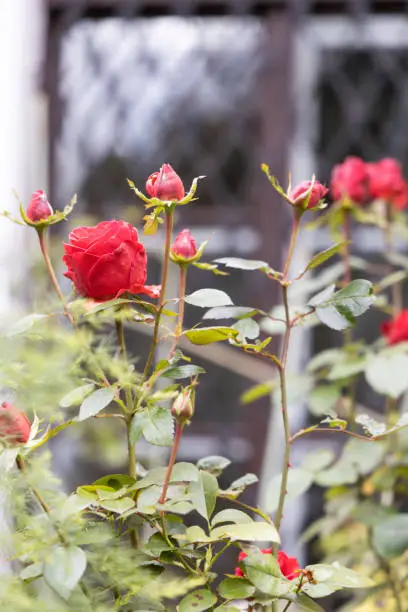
(95, 91)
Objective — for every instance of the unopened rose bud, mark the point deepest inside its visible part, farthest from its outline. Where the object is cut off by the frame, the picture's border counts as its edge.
(183, 407)
(14, 425)
(308, 194)
(39, 208)
(165, 185)
(184, 246)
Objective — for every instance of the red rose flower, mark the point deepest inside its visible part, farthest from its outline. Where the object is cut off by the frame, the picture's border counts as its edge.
(289, 566)
(39, 208)
(301, 192)
(396, 331)
(106, 261)
(350, 179)
(184, 245)
(165, 185)
(15, 427)
(387, 182)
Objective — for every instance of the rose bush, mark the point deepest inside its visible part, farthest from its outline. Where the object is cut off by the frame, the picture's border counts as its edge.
(151, 538)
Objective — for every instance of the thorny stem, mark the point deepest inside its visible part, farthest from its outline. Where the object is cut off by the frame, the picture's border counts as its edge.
(295, 231)
(182, 292)
(172, 460)
(396, 290)
(165, 269)
(53, 277)
(346, 247)
(285, 417)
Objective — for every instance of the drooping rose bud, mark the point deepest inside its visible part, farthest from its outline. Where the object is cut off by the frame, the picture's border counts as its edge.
(14, 425)
(39, 207)
(184, 246)
(350, 180)
(308, 194)
(165, 185)
(183, 406)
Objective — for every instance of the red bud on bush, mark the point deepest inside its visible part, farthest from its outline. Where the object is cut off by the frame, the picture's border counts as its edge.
(14, 425)
(308, 194)
(165, 185)
(39, 208)
(184, 246)
(183, 406)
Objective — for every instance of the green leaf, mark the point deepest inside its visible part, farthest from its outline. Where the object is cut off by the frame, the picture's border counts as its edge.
(236, 588)
(119, 506)
(229, 312)
(243, 264)
(338, 310)
(386, 373)
(390, 536)
(318, 460)
(203, 494)
(76, 396)
(208, 335)
(24, 324)
(256, 531)
(350, 366)
(181, 472)
(231, 515)
(242, 483)
(323, 256)
(323, 399)
(325, 359)
(64, 568)
(371, 426)
(31, 572)
(155, 424)
(299, 481)
(259, 391)
(338, 576)
(208, 298)
(305, 603)
(247, 329)
(184, 371)
(227, 608)
(199, 600)
(264, 572)
(214, 464)
(94, 403)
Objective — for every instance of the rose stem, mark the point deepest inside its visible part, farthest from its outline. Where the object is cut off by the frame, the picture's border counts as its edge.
(176, 443)
(396, 290)
(44, 249)
(166, 258)
(129, 405)
(282, 375)
(346, 247)
(182, 292)
(22, 467)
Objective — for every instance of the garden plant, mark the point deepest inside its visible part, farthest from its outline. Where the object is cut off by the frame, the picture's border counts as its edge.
(153, 539)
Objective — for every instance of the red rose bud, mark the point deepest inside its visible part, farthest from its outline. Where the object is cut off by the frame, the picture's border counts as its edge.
(350, 180)
(386, 182)
(308, 194)
(15, 427)
(289, 566)
(107, 261)
(39, 208)
(165, 185)
(184, 246)
(183, 406)
(396, 331)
